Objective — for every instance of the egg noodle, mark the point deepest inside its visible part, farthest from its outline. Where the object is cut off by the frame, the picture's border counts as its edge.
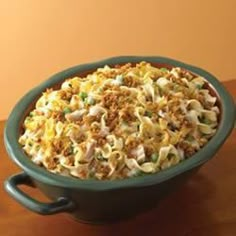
(120, 122)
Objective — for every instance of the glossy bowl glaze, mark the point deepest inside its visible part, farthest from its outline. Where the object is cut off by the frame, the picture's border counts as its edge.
(97, 201)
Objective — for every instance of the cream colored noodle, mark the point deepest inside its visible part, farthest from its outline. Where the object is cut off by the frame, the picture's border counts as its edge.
(120, 122)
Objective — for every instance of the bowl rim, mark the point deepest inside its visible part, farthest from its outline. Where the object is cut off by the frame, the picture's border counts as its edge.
(16, 153)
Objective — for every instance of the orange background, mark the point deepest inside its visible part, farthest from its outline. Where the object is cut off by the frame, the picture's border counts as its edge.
(41, 37)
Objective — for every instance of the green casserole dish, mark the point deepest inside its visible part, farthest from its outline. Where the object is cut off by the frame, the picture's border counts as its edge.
(101, 201)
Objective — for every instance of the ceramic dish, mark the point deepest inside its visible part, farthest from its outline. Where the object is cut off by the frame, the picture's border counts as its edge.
(97, 201)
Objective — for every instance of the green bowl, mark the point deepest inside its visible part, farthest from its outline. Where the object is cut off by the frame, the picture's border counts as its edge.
(96, 201)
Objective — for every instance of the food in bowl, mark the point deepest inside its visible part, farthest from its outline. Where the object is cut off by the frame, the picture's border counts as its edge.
(120, 122)
(82, 198)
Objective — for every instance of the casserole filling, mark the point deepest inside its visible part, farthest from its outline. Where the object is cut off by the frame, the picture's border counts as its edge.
(120, 122)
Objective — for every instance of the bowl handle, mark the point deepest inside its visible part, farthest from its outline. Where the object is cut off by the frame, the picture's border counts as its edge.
(11, 185)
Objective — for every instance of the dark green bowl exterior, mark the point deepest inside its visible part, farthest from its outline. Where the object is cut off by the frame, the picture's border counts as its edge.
(102, 201)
